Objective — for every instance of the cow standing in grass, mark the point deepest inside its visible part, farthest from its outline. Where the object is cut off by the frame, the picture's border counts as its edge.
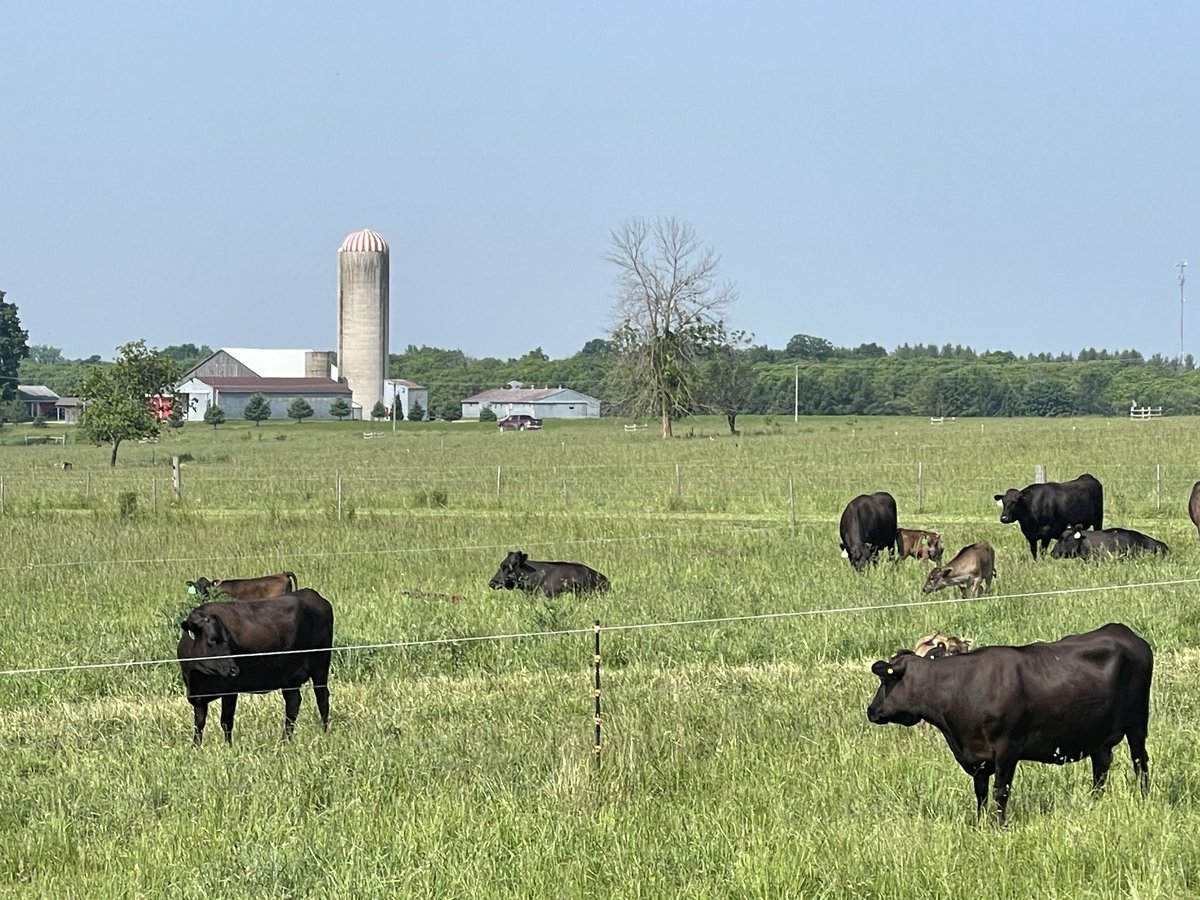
(244, 588)
(230, 648)
(868, 525)
(1046, 702)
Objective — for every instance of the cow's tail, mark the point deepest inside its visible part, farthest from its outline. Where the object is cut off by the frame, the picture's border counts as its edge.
(292, 581)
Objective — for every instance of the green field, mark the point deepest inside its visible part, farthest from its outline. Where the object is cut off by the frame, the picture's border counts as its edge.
(737, 762)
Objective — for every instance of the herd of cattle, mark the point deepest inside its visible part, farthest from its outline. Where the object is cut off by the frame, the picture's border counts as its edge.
(1045, 702)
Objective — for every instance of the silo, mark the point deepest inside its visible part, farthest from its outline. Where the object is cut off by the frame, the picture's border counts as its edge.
(362, 344)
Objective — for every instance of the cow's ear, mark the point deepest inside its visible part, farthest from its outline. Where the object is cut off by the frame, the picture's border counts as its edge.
(1077, 535)
(189, 628)
(999, 498)
(888, 671)
(522, 557)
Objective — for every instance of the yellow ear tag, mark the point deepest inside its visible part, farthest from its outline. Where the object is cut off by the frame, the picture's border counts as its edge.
(891, 671)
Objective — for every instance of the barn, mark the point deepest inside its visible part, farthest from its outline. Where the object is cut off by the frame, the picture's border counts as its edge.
(545, 403)
(231, 375)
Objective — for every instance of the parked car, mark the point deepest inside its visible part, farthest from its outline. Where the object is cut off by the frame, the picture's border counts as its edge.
(519, 422)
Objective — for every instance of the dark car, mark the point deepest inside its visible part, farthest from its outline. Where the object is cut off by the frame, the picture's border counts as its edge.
(520, 422)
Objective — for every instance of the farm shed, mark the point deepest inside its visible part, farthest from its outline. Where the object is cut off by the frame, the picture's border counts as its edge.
(246, 363)
(545, 403)
(232, 395)
(38, 400)
(408, 392)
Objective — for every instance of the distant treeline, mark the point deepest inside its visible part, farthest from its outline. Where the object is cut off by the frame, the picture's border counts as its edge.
(810, 375)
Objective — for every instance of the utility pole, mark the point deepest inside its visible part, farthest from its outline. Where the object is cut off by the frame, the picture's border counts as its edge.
(1182, 267)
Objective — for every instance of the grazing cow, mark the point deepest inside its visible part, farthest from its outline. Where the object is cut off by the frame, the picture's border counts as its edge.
(291, 635)
(1045, 511)
(924, 545)
(551, 578)
(1046, 702)
(937, 645)
(1194, 506)
(971, 571)
(1076, 543)
(244, 588)
(64, 466)
(868, 525)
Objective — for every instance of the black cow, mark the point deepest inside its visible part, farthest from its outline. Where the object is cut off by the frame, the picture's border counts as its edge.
(293, 634)
(1076, 543)
(1194, 506)
(971, 571)
(1045, 702)
(868, 525)
(551, 578)
(1045, 511)
(244, 588)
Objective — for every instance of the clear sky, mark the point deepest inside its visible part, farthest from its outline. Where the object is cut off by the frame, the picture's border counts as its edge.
(1022, 176)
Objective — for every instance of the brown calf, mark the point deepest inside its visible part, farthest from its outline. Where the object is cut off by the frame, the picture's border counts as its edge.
(921, 544)
(245, 588)
(937, 645)
(971, 571)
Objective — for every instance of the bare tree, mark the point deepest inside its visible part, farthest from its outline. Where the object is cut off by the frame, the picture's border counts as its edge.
(669, 307)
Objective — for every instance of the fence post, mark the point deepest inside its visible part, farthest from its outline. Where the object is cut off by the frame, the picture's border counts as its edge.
(176, 479)
(337, 490)
(497, 484)
(1158, 485)
(1, 495)
(154, 495)
(678, 481)
(920, 487)
(596, 693)
(1039, 473)
(791, 505)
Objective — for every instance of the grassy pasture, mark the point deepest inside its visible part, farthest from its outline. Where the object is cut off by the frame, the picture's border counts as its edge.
(738, 760)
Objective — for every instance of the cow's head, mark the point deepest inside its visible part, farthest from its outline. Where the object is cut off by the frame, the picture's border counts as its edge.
(508, 576)
(1069, 544)
(203, 637)
(936, 580)
(934, 546)
(1010, 505)
(860, 555)
(201, 586)
(890, 702)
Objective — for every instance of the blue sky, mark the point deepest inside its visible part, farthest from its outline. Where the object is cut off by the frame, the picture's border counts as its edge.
(1022, 177)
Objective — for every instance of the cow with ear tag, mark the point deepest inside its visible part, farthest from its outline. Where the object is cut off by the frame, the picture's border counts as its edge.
(228, 648)
(1078, 543)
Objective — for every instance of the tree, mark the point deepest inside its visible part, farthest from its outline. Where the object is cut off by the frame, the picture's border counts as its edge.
(258, 409)
(214, 416)
(805, 346)
(339, 408)
(45, 354)
(300, 409)
(487, 414)
(727, 380)
(669, 308)
(378, 411)
(416, 412)
(14, 347)
(116, 397)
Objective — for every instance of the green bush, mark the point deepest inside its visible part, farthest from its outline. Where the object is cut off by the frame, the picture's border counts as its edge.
(486, 415)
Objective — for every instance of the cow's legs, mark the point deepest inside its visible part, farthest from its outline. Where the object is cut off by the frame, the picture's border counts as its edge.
(200, 716)
(1101, 761)
(291, 708)
(1141, 762)
(228, 708)
(321, 692)
(981, 788)
(1005, 769)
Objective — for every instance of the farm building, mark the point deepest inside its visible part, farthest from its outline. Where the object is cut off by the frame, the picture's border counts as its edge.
(232, 395)
(243, 365)
(38, 400)
(545, 403)
(408, 393)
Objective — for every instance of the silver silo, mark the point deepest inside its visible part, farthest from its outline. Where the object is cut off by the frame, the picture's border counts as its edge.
(362, 344)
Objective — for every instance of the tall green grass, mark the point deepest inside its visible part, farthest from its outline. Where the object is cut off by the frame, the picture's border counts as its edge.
(738, 760)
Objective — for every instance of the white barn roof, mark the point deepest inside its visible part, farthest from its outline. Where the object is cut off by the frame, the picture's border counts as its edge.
(272, 363)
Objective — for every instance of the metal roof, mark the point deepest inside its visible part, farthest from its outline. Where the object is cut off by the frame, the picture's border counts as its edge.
(36, 392)
(276, 385)
(404, 382)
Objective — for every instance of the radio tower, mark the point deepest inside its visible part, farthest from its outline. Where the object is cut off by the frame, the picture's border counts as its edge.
(1182, 267)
